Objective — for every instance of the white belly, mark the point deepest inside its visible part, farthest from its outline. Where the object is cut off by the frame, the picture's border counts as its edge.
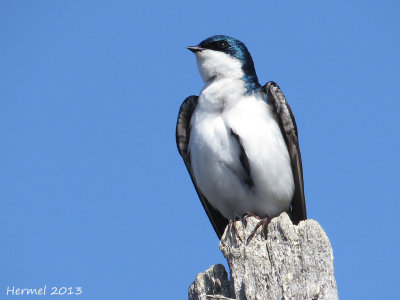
(215, 157)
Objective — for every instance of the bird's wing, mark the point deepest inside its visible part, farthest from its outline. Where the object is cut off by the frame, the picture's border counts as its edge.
(182, 141)
(289, 131)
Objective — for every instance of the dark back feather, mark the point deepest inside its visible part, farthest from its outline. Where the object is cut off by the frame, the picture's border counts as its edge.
(289, 132)
(182, 141)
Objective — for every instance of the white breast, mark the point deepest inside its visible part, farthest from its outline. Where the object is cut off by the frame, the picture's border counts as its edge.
(215, 152)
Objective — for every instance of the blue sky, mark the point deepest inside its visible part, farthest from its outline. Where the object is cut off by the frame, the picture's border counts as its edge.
(93, 192)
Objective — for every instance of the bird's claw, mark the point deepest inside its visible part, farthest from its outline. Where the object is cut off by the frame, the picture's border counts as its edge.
(264, 223)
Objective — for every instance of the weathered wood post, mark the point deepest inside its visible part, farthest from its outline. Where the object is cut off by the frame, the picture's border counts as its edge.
(293, 262)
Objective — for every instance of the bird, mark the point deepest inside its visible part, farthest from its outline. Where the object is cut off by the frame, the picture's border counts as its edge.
(238, 139)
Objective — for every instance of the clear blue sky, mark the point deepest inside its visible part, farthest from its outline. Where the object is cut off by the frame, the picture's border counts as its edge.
(93, 192)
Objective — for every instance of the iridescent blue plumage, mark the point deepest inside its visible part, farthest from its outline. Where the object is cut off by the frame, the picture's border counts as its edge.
(239, 50)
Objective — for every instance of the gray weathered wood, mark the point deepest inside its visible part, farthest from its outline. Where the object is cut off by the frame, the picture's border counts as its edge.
(211, 284)
(293, 262)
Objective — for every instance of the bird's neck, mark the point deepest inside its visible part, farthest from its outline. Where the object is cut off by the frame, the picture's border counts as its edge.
(251, 83)
(222, 93)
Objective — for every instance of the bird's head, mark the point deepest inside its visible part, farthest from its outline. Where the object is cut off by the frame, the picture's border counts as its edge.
(221, 56)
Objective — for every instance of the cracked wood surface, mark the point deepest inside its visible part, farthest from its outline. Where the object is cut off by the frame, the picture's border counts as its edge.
(293, 262)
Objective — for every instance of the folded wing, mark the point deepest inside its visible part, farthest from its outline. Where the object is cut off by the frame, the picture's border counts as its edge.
(182, 141)
(289, 132)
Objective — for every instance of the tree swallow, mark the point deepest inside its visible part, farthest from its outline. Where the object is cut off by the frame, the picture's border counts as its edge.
(239, 140)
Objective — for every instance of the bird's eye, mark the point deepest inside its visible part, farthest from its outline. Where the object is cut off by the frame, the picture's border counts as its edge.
(223, 44)
(218, 45)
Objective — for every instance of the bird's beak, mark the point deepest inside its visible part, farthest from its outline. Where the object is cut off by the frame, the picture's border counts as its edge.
(195, 49)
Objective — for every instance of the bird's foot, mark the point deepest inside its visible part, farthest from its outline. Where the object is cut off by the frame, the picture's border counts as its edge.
(264, 223)
(247, 215)
(233, 224)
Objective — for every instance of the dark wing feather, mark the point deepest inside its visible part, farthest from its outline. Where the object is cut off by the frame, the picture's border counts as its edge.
(289, 131)
(182, 141)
